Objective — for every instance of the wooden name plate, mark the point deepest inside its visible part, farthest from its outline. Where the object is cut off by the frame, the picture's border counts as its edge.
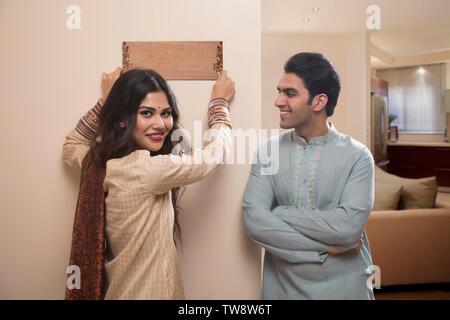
(175, 60)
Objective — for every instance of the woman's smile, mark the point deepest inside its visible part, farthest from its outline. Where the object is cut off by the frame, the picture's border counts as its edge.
(156, 136)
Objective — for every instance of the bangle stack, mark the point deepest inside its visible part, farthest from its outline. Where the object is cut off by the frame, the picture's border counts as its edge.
(219, 112)
(87, 126)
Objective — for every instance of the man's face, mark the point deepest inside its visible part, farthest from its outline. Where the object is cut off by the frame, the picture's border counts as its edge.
(292, 101)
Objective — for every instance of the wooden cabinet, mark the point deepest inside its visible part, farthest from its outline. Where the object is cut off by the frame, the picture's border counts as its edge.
(420, 162)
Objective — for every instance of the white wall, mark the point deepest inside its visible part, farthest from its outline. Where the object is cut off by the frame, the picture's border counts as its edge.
(350, 56)
(50, 76)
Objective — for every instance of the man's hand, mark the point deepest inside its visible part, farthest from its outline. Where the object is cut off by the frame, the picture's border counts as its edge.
(108, 80)
(356, 249)
(333, 250)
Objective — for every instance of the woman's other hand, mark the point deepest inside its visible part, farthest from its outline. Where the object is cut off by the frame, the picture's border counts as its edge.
(108, 80)
(224, 87)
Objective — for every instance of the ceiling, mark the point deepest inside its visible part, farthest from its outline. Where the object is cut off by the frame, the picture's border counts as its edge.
(408, 27)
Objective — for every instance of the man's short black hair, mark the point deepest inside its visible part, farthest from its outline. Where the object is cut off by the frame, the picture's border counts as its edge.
(318, 75)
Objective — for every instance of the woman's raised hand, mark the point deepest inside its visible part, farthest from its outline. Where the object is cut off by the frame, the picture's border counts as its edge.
(224, 87)
(108, 80)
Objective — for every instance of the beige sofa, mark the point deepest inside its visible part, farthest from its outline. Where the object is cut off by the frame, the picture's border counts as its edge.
(411, 246)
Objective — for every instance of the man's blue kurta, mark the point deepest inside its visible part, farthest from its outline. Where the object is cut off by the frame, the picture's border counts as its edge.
(302, 199)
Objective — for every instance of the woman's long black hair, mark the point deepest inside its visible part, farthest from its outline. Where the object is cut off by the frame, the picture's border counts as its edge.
(122, 105)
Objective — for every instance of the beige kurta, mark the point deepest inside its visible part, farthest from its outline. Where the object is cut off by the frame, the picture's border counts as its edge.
(140, 215)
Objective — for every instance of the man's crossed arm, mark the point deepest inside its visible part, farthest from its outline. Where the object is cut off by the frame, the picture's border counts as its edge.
(305, 234)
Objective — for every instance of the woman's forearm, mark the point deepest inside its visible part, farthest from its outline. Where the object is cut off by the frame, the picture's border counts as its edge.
(87, 125)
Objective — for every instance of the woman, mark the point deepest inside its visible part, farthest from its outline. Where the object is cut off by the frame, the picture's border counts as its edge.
(125, 142)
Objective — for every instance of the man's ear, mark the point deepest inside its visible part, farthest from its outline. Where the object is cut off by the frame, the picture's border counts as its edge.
(319, 102)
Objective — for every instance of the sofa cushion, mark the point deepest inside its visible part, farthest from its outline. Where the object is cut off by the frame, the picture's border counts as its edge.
(410, 246)
(415, 194)
(387, 196)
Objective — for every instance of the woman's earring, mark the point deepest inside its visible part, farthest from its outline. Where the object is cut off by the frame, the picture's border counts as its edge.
(122, 124)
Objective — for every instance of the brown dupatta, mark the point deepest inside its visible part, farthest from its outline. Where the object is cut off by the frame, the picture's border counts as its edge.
(88, 238)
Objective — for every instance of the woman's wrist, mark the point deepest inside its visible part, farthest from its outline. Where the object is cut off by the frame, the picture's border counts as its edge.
(219, 101)
(98, 106)
(87, 125)
(218, 112)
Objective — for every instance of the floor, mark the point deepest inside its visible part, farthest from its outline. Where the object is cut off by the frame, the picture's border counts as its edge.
(414, 292)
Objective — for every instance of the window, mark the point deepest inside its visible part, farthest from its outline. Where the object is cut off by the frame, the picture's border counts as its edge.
(416, 97)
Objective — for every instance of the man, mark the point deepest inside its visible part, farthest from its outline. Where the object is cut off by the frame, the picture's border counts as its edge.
(321, 195)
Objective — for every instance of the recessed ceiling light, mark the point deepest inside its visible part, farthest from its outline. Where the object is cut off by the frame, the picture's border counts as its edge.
(305, 19)
(315, 9)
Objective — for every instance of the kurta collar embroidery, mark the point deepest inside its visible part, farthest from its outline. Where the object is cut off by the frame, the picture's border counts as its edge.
(321, 140)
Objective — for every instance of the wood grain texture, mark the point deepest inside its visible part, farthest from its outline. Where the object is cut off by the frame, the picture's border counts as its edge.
(420, 162)
(175, 60)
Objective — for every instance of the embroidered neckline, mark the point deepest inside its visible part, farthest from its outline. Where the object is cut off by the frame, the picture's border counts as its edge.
(321, 140)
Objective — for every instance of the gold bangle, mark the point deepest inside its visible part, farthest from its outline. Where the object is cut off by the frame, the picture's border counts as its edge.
(222, 122)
